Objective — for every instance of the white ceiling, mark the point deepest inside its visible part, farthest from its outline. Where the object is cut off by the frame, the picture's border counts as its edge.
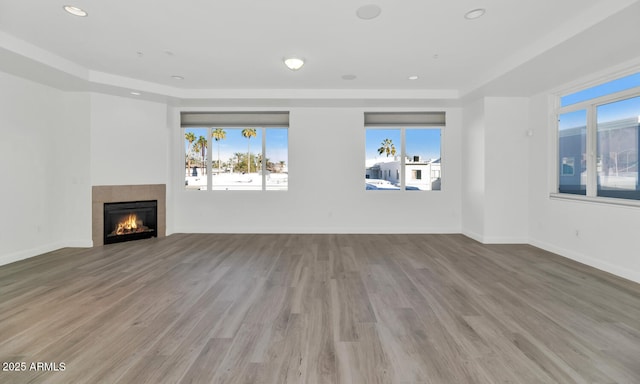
(239, 45)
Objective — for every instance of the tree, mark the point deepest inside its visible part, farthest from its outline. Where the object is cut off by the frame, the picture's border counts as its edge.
(249, 133)
(238, 156)
(242, 163)
(201, 145)
(258, 162)
(387, 147)
(218, 134)
(231, 159)
(190, 137)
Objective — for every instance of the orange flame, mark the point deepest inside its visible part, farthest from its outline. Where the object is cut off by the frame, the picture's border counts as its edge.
(128, 224)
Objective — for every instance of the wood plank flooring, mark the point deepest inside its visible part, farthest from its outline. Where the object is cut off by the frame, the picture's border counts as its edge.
(206, 308)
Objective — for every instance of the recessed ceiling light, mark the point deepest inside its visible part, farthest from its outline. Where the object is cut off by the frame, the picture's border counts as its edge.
(349, 77)
(413, 77)
(293, 63)
(75, 11)
(474, 14)
(177, 77)
(368, 12)
(134, 93)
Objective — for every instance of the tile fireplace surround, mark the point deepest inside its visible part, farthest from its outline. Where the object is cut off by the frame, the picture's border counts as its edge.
(101, 194)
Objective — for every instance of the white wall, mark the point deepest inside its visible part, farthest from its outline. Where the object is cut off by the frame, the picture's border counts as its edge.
(70, 185)
(54, 145)
(326, 187)
(44, 167)
(473, 170)
(506, 178)
(495, 179)
(128, 141)
(603, 236)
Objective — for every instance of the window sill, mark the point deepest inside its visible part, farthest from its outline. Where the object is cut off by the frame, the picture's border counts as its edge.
(596, 200)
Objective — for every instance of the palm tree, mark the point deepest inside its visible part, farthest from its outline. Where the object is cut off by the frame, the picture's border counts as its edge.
(387, 147)
(249, 133)
(217, 135)
(238, 156)
(202, 146)
(231, 163)
(190, 137)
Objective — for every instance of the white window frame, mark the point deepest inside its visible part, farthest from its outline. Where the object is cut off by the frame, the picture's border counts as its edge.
(590, 106)
(402, 154)
(209, 159)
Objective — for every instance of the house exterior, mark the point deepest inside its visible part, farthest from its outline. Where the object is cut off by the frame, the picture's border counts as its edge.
(421, 174)
(618, 171)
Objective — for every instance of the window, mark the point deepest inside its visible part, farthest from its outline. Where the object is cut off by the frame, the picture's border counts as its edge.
(568, 166)
(401, 149)
(572, 133)
(233, 151)
(617, 148)
(605, 89)
(599, 140)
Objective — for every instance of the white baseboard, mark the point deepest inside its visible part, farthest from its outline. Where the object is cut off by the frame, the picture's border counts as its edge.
(21, 255)
(322, 230)
(78, 244)
(473, 235)
(505, 240)
(595, 263)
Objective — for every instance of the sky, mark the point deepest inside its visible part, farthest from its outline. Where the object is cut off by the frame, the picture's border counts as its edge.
(619, 110)
(420, 142)
(607, 112)
(614, 86)
(276, 143)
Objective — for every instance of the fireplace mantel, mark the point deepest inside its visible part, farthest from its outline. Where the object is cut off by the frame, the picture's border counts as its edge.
(115, 193)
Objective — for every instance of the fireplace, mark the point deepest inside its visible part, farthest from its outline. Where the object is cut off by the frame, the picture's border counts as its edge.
(130, 220)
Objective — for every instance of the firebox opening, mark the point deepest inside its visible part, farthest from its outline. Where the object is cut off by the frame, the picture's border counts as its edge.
(131, 220)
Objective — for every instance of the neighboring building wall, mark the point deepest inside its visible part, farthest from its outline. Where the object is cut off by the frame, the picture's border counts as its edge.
(429, 173)
(390, 171)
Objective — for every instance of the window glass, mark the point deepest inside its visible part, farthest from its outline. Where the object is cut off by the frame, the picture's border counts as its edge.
(238, 158)
(195, 163)
(382, 165)
(276, 159)
(397, 157)
(614, 86)
(618, 144)
(572, 134)
(240, 153)
(423, 158)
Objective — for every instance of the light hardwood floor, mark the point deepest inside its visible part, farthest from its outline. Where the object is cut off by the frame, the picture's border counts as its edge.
(317, 309)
